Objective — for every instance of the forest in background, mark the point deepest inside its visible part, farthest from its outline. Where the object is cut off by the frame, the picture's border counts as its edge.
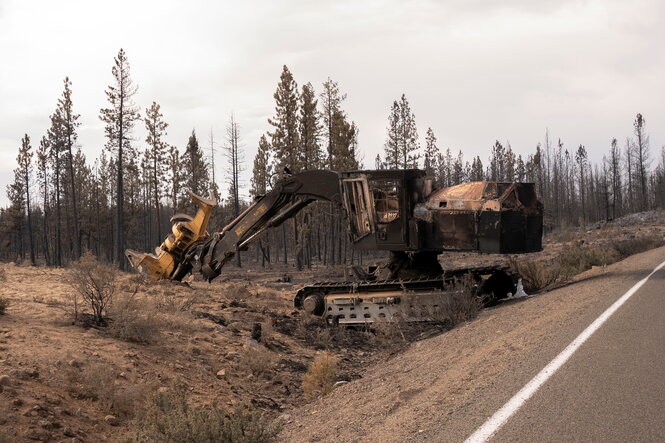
(62, 203)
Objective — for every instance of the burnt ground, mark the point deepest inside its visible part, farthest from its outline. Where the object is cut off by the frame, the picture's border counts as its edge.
(58, 373)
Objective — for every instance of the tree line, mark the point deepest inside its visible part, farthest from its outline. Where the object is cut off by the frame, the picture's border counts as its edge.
(61, 203)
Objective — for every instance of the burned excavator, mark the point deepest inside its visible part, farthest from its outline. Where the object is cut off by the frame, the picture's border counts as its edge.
(400, 211)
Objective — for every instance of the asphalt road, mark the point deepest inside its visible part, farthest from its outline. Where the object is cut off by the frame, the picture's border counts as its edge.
(612, 388)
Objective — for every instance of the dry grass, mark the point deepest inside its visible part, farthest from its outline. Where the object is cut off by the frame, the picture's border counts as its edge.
(319, 380)
(257, 360)
(535, 275)
(4, 304)
(460, 305)
(141, 317)
(576, 259)
(638, 244)
(97, 382)
(169, 418)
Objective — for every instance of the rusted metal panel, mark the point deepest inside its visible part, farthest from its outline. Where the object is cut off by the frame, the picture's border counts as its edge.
(501, 217)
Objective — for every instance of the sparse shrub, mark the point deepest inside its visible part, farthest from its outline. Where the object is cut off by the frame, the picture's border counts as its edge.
(97, 382)
(535, 275)
(257, 360)
(636, 245)
(3, 275)
(319, 380)
(4, 304)
(169, 418)
(95, 283)
(459, 306)
(134, 321)
(93, 382)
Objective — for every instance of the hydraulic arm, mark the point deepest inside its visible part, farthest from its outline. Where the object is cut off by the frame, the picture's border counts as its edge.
(190, 248)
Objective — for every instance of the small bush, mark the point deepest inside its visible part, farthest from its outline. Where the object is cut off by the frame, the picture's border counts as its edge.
(3, 276)
(134, 321)
(92, 382)
(536, 276)
(97, 382)
(319, 380)
(95, 283)
(257, 360)
(4, 304)
(459, 306)
(169, 418)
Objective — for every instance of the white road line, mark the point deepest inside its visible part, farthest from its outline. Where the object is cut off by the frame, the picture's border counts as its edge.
(494, 423)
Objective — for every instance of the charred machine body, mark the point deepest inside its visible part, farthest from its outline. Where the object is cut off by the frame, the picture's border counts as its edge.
(400, 211)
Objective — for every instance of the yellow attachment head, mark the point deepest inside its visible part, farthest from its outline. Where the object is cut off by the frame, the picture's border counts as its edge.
(154, 267)
(185, 232)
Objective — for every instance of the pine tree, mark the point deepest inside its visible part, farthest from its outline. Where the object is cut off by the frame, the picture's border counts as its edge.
(119, 119)
(477, 170)
(68, 122)
(641, 149)
(402, 144)
(156, 158)
(260, 181)
(56, 146)
(43, 182)
(509, 164)
(345, 141)
(614, 166)
(24, 161)
(408, 135)
(261, 170)
(581, 160)
(331, 100)
(16, 193)
(285, 138)
(431, 153)
(392, 146)
(195, 169)
(497, 162)
(458, 169)
(378, 163)
(520, 169)
(175, 173)
(309, 128)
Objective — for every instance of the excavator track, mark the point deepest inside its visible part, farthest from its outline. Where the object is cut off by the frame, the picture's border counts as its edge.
(417, 299)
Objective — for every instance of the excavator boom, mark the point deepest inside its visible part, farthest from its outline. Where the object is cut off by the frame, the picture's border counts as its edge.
(191, 249)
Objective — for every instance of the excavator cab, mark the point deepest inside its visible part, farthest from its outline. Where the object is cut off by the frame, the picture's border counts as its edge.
(379, 205)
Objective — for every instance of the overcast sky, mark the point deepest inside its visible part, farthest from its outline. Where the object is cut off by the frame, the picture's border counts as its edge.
(473, 70)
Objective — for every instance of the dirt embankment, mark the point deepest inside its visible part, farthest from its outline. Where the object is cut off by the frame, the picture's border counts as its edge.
(62, 380)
